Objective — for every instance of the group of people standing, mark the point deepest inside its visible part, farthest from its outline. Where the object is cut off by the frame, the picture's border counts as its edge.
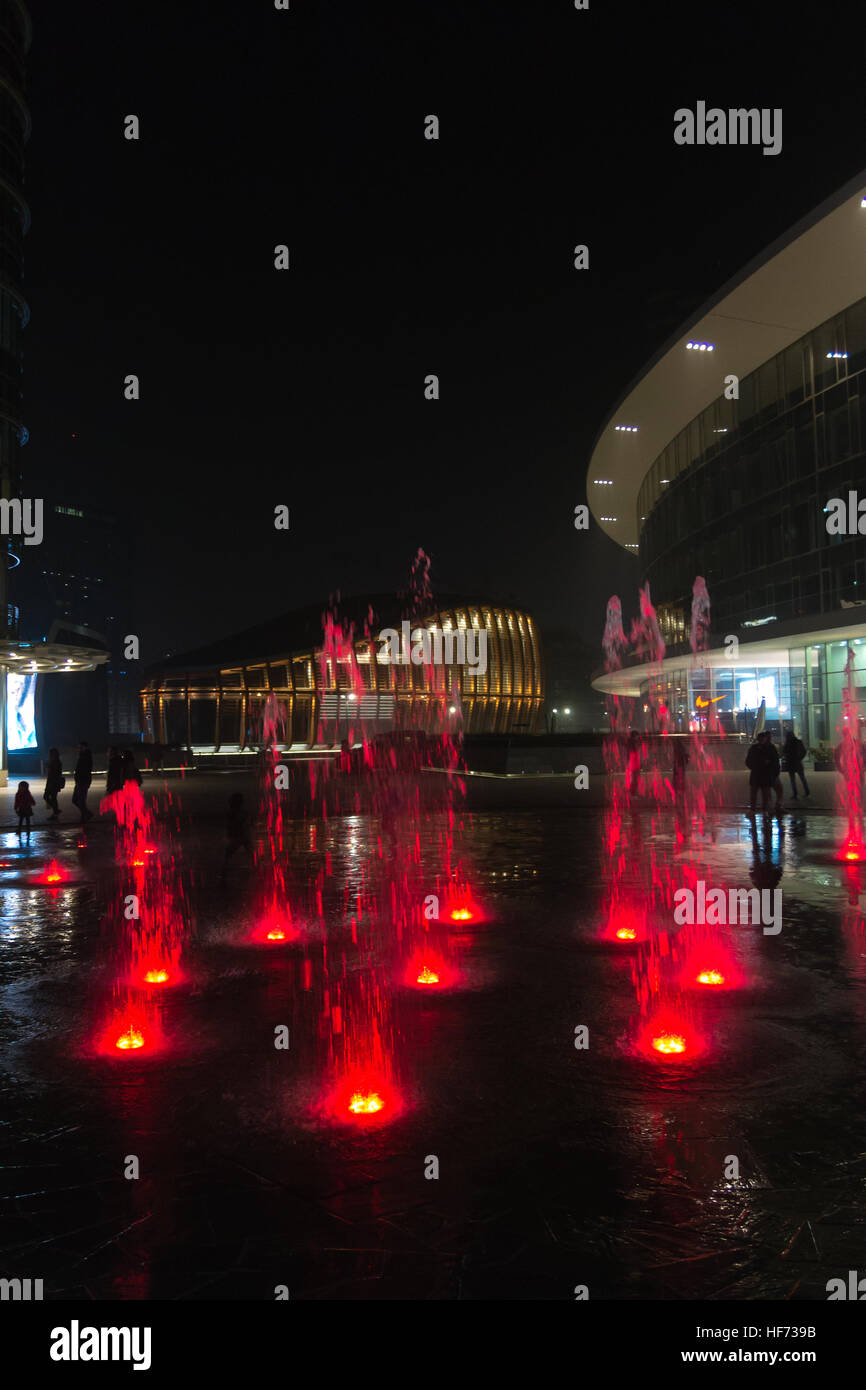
(121, 769)
(765, 769)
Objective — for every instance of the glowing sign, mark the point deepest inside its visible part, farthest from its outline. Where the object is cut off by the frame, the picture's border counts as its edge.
(20, 710)
(753, 692)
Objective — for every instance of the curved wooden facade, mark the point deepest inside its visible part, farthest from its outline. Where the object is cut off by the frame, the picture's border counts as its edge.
(219, 707)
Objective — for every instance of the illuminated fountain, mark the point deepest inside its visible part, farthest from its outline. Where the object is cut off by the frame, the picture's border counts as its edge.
(146, 923)
(850, 763)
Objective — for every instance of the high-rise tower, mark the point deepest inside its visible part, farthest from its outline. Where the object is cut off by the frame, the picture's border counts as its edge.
(15, 36)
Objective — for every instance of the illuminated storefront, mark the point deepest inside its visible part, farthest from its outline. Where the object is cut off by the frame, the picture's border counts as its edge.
(741, 430)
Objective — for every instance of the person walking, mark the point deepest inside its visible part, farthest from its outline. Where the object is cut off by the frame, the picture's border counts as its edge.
(633, 751)
(54, 782)
(24, 804)
(793, 753)
(83, 777)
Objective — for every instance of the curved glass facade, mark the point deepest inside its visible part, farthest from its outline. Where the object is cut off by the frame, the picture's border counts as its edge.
(739, 495)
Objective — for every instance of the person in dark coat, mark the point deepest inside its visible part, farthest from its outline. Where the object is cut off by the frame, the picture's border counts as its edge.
(130, 771)
(83, 777)
(54, 782)
(633, 763)
(793, 753)
(24, 804)
(114, 772)
(680, 763)
(762, 760)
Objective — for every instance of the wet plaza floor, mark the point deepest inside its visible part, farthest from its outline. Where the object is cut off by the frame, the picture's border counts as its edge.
(558, 1166)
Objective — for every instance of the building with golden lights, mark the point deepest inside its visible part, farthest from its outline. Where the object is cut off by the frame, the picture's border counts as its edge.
(212, 699)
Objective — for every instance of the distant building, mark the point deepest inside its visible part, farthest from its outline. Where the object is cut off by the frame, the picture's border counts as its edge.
(212, 699)
(14, 223)
(77, 589)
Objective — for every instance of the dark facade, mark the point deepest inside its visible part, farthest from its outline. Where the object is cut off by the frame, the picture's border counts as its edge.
(77, 588)
(14, 222)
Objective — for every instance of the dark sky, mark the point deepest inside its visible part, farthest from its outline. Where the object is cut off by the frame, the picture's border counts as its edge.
(408, 257)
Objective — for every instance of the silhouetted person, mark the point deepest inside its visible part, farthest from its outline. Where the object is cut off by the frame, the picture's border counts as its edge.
(762, 760)
(114, 772)
(130, 771)
(54, 782)
(793, 752)
(680, 763)
(633, 765)
(24, 804)
(237, 830)
(83, 777)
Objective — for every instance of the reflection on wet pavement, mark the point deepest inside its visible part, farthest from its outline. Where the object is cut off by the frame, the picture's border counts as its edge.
(558, 1166)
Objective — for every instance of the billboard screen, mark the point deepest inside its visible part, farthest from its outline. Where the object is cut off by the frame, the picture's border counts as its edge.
(20, 711)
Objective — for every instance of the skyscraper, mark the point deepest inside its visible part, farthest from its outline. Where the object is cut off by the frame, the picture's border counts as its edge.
(15, 36)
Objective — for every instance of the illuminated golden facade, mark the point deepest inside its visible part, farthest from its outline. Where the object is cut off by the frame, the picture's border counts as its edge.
(218, 706)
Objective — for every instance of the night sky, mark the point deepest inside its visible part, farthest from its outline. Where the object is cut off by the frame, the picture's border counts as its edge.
(408, 257)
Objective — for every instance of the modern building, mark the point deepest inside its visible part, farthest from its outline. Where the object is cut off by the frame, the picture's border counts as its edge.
(77, 589)
(21, 660)
(721, 460)
(212, 699)
(15, 37)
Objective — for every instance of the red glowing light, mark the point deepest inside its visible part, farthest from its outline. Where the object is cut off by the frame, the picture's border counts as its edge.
(429, 969)
(366, 1105)
(156, 977)
(853, 849)
(53, 873)
(364, 1095)
(132, 1038)
(624, 923)
(461, 914)
(670, 1035)
(276, 935)
(711, 977)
